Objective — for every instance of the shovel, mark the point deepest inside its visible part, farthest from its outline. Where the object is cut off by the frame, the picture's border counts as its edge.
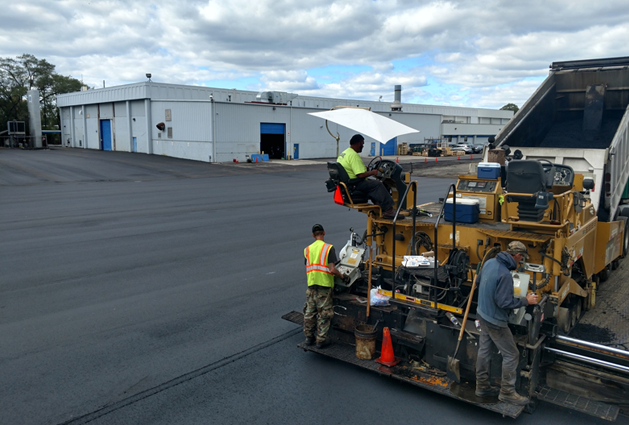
(453, 372)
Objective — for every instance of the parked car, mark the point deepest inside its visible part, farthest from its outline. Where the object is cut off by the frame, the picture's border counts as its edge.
(477, 148)
(462, 147)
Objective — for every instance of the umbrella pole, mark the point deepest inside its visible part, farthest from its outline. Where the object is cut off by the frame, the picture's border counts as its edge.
(337, 137)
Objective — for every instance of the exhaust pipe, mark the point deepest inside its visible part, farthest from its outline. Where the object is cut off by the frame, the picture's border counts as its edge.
(397, 98)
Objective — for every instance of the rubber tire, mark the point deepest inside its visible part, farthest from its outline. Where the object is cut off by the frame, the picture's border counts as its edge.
(531, 406)
(604, 274)
(625, 242)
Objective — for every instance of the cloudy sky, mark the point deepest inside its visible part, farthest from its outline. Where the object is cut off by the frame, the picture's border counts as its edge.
(479, 53)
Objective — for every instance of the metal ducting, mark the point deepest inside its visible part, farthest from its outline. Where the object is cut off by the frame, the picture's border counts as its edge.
(397, 98)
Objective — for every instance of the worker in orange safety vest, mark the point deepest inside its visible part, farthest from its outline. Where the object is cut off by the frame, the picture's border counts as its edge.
(320, 271)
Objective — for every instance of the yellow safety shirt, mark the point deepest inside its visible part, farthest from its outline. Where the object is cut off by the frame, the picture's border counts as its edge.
(351, 161)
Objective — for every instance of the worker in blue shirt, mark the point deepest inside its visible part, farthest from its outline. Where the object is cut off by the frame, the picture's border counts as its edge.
(495, 301)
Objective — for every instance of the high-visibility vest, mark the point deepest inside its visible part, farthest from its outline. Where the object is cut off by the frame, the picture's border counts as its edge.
(317, 269)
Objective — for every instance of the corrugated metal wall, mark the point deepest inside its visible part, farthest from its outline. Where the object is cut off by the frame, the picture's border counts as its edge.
(194, 116)
(188, 129)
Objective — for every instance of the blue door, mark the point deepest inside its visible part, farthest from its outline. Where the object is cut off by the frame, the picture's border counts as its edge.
(389, 147)
(105, 135)
(135, 144)
(372, 152)
(296, 151)
(273, 140)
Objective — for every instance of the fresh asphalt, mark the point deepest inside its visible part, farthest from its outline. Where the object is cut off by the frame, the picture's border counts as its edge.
(140, 289)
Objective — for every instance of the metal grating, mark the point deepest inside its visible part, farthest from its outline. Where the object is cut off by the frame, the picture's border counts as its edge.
(580, 404)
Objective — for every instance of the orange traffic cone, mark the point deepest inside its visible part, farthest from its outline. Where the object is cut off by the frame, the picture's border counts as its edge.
(471, 156)
(338, 197)
(459, 157)
(387, 357)
(425, 160)
(256, 159)
(435, 159)
(397, 160)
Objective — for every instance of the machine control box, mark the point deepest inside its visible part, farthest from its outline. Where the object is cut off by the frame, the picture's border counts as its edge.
(349, 266)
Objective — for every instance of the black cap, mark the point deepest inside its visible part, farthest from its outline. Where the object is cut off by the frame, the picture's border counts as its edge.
(317, 228)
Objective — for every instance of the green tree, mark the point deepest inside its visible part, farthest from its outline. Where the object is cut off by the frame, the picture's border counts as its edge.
(510, 107)
(27, 72)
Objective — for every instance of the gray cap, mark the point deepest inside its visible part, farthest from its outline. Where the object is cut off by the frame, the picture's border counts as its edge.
(517, 247)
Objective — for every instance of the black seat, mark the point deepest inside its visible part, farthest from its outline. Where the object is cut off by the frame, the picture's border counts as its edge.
(350, 194)
(528, 176)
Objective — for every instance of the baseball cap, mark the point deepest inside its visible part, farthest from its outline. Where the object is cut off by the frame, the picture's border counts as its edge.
(517, 247)
(317, 228)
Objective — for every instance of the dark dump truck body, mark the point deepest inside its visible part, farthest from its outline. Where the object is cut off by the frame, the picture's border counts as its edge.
(579, 117)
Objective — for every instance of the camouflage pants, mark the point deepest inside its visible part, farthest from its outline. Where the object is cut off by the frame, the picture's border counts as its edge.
(318, 312)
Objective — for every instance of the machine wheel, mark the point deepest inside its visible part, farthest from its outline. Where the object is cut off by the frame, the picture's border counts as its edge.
(531, 406)
(574, 314)
(625, 240)
(604, 274)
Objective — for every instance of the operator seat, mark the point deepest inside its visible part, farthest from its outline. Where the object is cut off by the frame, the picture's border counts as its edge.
(350, 194)
(528, 176)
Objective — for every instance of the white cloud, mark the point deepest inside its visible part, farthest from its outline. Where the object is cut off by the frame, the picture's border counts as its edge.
(479, 53)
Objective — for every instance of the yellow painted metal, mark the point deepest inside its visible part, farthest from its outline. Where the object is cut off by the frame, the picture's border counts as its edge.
(568, 236)
(570, 286)
(420, 301)
(608, 243)
(488, 201)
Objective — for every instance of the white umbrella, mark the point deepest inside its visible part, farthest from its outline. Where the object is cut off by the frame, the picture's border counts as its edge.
(366, 122)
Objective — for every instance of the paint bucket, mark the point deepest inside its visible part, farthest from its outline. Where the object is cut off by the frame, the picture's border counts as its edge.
(365, 341)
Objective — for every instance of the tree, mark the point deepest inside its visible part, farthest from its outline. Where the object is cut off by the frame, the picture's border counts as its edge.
(510, 107)
(27, 72)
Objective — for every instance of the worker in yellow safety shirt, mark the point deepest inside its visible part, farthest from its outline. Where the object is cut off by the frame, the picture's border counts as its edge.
(320, 271)
(358, 175)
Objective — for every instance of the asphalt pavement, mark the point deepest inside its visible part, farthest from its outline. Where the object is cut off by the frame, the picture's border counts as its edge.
(139, 289)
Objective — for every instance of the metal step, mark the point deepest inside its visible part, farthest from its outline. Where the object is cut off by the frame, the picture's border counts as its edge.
(580, 404)
(406, 373)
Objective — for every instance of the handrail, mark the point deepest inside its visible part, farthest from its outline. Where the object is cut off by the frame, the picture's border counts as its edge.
(397, 212)
(433, 293)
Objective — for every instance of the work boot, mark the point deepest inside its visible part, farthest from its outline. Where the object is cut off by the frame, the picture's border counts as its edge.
(513, 398)
(485, 390)
(309, 340)
(390, 214)
(323, 343)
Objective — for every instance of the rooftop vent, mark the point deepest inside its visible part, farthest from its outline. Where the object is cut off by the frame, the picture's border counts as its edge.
(275, 97)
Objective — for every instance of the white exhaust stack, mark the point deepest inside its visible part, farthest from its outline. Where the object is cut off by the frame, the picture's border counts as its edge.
(397, 99)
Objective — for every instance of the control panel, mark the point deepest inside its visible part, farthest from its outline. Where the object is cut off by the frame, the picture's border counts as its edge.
(486, 191)
(476, 186)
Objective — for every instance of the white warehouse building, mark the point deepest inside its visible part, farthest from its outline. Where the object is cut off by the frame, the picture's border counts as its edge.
(220, 125)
